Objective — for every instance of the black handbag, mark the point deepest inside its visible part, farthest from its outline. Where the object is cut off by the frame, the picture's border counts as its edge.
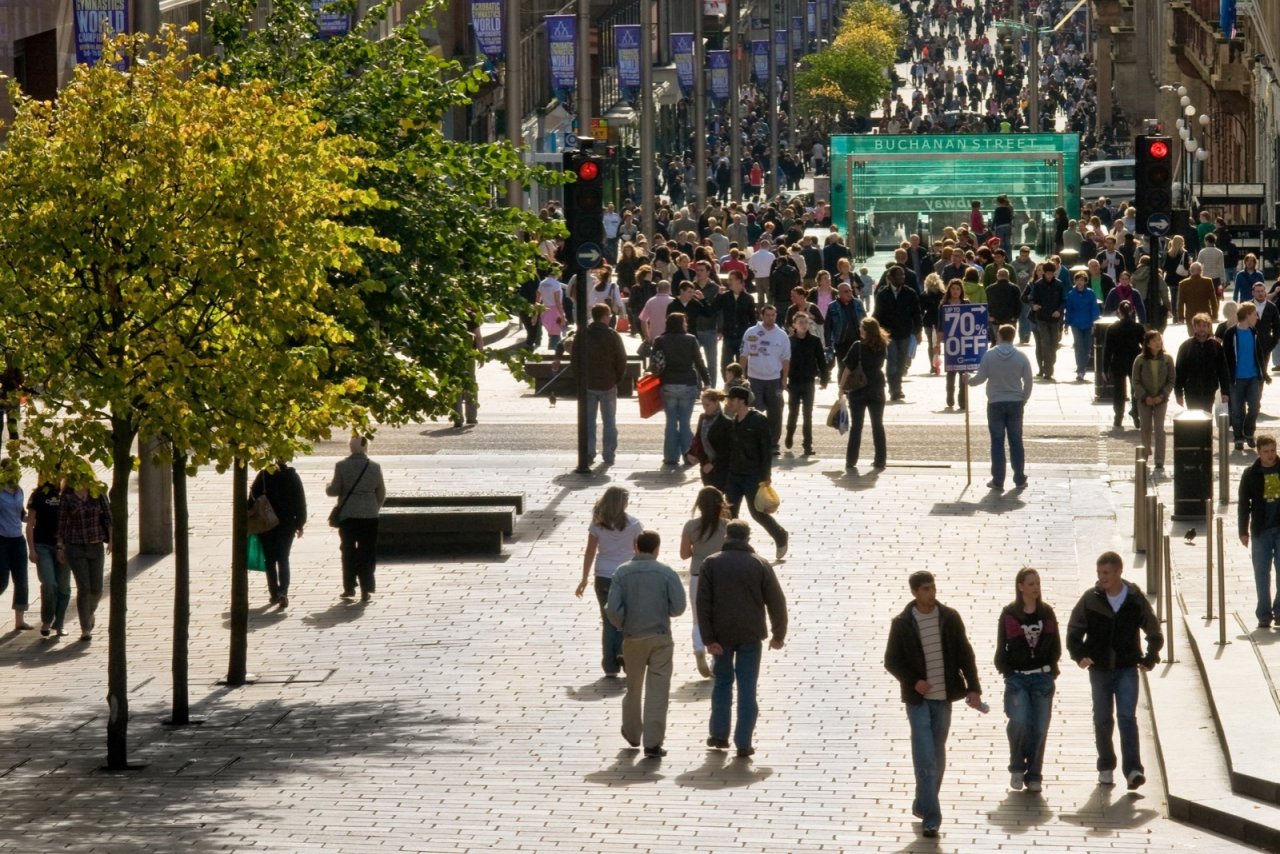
(857, 379)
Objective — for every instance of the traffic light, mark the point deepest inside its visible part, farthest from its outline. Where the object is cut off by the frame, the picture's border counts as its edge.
(583, 204)
(998, 81)
(1153, 183)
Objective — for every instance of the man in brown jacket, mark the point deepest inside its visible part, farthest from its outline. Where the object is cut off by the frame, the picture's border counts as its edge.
(1196, 293)
(606, 368)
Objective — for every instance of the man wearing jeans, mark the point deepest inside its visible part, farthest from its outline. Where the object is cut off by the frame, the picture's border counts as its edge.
(1258, 520)
(736, 587)
(898, 310)
(643, 597)
(930, 656)
(1247, 369)
(1007, 373)
(750, 463)
(606, 369)
(766, 358)
(1102, 637)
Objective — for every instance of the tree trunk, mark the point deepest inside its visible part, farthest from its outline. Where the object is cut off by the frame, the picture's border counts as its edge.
(181, 592)
(237, 671)
(117, 651)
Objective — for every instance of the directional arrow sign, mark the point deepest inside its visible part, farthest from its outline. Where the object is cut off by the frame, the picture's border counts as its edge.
(589, 256)
(1159, 224)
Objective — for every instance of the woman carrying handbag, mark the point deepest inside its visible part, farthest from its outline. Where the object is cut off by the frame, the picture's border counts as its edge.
(357, 481)
(863, 381)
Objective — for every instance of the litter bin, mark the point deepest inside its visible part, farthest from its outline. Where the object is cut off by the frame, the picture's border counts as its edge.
(1192, 464)
(1101, 387)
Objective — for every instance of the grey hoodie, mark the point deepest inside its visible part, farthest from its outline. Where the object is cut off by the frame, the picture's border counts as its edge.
(1009, 373)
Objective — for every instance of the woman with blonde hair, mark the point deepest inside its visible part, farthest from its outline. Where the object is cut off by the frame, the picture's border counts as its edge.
(611, 542)
(702, 537)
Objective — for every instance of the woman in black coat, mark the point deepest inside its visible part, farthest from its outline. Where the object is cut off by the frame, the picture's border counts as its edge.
(711, 441)
(1122, 344)
(869, 352)
(283, 489)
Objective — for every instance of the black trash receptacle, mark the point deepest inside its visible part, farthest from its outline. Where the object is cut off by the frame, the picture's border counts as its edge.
(1101, 386)
(1192, 463)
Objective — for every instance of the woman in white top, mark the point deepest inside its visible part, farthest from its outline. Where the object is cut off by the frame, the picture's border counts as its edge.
(703, 536)
(611, 542)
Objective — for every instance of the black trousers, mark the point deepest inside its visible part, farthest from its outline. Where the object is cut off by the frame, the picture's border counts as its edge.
(359, 542)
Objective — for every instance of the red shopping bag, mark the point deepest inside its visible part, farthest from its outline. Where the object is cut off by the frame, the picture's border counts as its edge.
(649, 392)
(624, 325)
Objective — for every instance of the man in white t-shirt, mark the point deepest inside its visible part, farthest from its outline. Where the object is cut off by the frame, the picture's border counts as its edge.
(766, 358)
(819, 158)
(612, 221)
(760, 264)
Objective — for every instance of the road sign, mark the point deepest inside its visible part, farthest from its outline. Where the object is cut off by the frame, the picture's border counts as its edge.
(570, 141)
(964, 336)
(1158, 224)
(589, 256)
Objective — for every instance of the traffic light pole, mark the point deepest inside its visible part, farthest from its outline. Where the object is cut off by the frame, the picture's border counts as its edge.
(1033, 82)
(699, 192)
(735, 127)
(648, 198)
(584, 68)
(511, 90)
(771, 111)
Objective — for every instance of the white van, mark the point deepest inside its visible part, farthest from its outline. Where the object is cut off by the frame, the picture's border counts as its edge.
(1110, 178)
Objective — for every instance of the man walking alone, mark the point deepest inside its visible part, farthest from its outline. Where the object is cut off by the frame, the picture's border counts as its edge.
(1007, 373)
(643, 597)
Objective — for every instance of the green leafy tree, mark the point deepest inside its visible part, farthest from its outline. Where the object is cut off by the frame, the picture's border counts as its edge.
(460, 255)
(169, 248)
(849, 75)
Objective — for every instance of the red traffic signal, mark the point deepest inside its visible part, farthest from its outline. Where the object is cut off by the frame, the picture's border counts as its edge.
(1159, 149)
(588, 170)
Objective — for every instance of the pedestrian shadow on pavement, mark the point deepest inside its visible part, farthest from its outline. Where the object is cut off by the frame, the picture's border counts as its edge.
(335, 615)
(199, 783)
(993, 503)
(1108, 810)
(1020, 812)
(603, 688)
(663, 479)
(720, 770)
(856, 481)
(260, 617)
(49, 653)
(693, 691)
(630, 768)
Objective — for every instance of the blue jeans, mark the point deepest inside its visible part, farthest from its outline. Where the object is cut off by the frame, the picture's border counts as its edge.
(1028, 700)
(677, 403)
(768, 398)
(1082, 341)
(610, 638)
(730, 350)
(742, 486)
(709, 339)
(1005, 419)
(896, 363)
(740, 663)
(55, 586)
(930, 722)
(1118, 688)
(13, 562)
(606, 404)
(1025, 324)
(276, 546)
(1246, 397)
(1264, 548)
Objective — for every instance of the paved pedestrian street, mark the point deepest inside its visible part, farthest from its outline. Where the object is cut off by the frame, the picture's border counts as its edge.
(463, 709)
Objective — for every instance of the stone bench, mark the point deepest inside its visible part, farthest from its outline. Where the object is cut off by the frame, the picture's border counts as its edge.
(409, 526)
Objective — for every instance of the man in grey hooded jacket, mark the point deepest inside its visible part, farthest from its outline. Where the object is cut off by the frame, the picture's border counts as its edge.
(1007, 373)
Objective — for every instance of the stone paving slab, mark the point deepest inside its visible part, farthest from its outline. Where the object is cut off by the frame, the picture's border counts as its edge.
(463, 710)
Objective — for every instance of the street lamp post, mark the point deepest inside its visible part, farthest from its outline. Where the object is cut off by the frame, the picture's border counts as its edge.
(699, 110)
(648, 199)
(735, 127)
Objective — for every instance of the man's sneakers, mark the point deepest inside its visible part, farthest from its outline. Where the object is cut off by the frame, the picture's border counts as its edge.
(654, 753)
(1033, 785)
(718, 743)
(782, 549)
(744, 752)
(1106, 778)
(931, 833)
(1136, 779)
(1015, 781)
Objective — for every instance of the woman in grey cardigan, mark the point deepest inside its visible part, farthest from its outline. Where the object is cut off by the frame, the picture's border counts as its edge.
(357, 484)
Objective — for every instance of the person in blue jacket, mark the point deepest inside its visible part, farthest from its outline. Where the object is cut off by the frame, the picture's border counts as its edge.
(1082, 311)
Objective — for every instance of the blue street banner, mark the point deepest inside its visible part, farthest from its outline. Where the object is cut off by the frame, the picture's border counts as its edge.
(682, 54)
(964, 336)
(813, 18)
(718, 60)
(626, 38)
(329, 25)
(1227, 18)
(797, 35)
(562, 45)
(92, 18)
(760, 60)
(486, 22)
(780, 48)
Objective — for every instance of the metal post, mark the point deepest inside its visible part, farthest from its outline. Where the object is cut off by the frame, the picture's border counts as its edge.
(734, 108)
(1208, 555)
(1139, 499)
(1222, 589)
(1168, 603)
(699, 194)
(511, 89)
(1033, 82)
(793, 141)
(583, 105)
(771, 109)
(1224, 459)
(647, 147)
(1153, 540)
(1160, 554)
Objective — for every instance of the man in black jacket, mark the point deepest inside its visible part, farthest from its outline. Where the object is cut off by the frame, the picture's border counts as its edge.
(898, 310)
(1102, 637)
(606, 368)
(737, 311)
(750, 458)
(1046, 300)
(1200, 375)
(1258, 519)
(930, 656)
(735, 588)
(1004, 301)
